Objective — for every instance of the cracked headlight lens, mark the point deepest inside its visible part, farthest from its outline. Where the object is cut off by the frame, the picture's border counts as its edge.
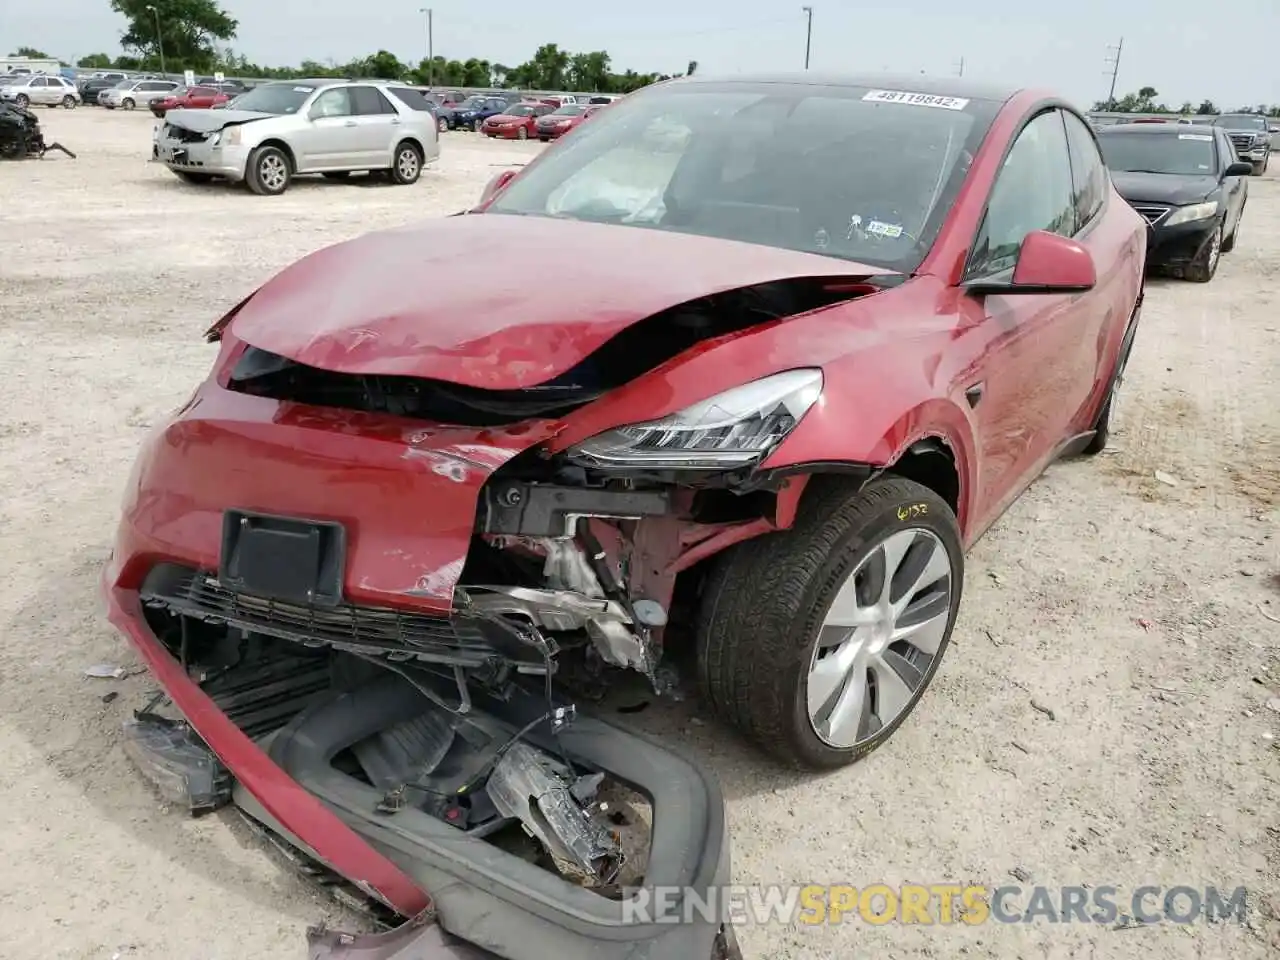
(732, 429)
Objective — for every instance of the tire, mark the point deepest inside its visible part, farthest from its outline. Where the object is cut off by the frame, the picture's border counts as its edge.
(476, 125)
(337, 175)
(406, 166)
(68, 102)
(269, 171)
(1205, 265)
(194, 178)
(766, 601)
(22, 100)
(545, 139)
(442, 125)
(522, 134)
(128, 103)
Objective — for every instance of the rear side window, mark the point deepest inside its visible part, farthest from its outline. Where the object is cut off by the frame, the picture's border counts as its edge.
(412, 99)
(369, 101)
(1088, 171)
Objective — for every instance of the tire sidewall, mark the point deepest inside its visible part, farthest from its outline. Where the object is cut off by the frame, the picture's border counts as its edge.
(395, 165)
(900, 513)
(255, 171)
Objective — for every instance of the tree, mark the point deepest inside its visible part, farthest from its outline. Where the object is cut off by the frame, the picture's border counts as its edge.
(1207, 108)
(31, 53)
(95, 61)
(187, 30)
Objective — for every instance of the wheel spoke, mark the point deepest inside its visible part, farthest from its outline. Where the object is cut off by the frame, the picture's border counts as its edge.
(924, 623)
(893, 691)
(848, 715)
(828, 677)
(924, 564)
(847, 610)
(893, 552)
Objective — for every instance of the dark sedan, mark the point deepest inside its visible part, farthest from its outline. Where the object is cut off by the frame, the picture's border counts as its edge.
(1187, 183)
(472, 112)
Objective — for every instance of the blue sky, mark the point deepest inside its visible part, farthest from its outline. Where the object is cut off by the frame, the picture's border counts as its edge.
(1186, 49)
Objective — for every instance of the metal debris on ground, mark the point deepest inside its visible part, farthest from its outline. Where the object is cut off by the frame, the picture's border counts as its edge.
(1043, 709)
(1167, 479)
(105, 671)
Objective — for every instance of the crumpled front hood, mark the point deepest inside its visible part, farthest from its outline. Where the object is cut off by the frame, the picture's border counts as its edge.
(207, 121)
(461, 298)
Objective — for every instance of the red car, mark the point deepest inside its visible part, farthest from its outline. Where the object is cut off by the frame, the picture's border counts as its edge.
(562, 120)
(818, 337)
(193, 98)
(519, 121)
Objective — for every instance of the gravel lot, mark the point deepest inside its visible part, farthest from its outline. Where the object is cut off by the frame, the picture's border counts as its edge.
(1132, 609)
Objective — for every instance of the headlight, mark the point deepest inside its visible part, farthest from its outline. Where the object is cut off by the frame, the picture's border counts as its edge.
(1196, 211)
(733, 429)
(231, 137)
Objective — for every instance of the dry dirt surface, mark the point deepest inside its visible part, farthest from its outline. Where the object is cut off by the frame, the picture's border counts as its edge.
(1141, 616)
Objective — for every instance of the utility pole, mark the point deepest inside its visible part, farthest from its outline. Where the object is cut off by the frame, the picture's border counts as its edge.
(159, 41)
(1114, 60)
(431, 53)
(808, 35)
(960, 69)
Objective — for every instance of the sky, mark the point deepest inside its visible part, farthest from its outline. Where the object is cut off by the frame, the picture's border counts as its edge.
(1186, 49)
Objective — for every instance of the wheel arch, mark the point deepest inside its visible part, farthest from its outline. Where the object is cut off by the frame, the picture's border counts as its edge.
(282, 145)
(414, 142)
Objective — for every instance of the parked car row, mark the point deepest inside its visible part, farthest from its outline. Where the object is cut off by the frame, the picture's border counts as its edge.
(44, 89)
(475, 112)
(1251, 134)
(277, 131)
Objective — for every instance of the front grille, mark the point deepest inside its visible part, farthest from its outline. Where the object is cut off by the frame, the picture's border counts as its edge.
(1242, 141)
(183, 135)
(1153, 213)
(374, 630)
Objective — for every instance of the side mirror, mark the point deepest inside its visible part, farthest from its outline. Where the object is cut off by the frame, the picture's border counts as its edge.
(494, 187)
(1239, 168)
(1274, 128)
(1047, 263)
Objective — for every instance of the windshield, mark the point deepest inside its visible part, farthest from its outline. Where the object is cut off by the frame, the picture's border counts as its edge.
(472, 103)
(568, 110)
(1184, 154)
(278, 98)
(125, 85)
(519, 110)
(843, 171)
(1239, 121)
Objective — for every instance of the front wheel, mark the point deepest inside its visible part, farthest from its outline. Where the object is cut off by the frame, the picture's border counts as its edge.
(269, 171)
(818, 641)
(407, 166)
(477, 125)
(522, 134)
(1205, 265)
(442, 125)
(128, 103)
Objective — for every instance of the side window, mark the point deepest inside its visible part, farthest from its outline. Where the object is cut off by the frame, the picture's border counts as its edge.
(1088, 171)
(332, 103)
(39, 82)
(369, 101)
(413, 99)
(1033, 191)
(1226, 151)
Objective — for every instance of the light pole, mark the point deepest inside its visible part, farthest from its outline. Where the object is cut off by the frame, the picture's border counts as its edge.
(159, 42)
(808, 35)
(431, 53)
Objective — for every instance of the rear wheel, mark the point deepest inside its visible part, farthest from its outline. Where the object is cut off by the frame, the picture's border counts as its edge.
(407, 166)
(68, 102)
(844, 623)
(269, 171)
(1205, 264)
(442, 125)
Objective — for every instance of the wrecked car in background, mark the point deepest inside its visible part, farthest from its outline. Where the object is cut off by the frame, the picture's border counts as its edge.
(819, 335)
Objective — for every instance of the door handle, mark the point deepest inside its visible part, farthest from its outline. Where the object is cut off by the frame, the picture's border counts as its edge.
(395, 121)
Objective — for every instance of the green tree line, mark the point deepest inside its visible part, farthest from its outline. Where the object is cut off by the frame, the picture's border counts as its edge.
(189, 33)
(1146, 101)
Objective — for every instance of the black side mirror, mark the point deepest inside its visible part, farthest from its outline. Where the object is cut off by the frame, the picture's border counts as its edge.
(1238, 168)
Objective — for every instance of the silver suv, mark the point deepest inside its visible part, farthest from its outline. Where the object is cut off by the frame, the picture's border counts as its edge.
(48, 90)
(128, 94)
(278, 130)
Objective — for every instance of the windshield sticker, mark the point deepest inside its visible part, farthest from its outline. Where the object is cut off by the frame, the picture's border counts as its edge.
(1207, 137)
(854, 223)
(881, 229)
(916, 99)
(821, 239)
(301, 89)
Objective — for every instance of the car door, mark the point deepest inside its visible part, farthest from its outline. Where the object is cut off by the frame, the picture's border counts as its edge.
(38, 90)
(1233, 188)
(378, 124)
(1025, 386)
(329, 140)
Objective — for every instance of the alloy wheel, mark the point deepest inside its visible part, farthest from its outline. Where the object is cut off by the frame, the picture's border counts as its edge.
(1215, 249)
(407, 163)
(272, 172)
(880, 638)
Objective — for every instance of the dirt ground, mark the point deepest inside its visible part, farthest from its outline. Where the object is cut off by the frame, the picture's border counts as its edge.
(1132, 610)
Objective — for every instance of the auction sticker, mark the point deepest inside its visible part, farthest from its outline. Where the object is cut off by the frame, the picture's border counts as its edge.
(1196, 136)
(916, 99)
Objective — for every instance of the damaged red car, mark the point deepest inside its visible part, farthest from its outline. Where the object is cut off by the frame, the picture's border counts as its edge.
(820, 334)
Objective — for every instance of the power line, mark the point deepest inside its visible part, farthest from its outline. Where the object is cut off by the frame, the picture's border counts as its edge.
(1113, 58)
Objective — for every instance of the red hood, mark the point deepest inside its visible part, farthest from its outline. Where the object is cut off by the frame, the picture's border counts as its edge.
(426, 301)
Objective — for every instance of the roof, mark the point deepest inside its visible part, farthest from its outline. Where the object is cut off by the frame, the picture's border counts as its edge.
(1155, 129)
(937, 86)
